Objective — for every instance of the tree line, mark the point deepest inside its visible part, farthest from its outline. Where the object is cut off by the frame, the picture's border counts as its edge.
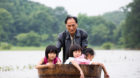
(27, 23)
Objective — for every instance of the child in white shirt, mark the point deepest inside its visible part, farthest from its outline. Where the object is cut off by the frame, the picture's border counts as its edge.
(90, 56)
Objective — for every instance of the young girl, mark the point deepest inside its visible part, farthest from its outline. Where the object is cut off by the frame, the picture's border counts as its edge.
(90, 55)
(51, 58)
(75, 55)
(76, 58)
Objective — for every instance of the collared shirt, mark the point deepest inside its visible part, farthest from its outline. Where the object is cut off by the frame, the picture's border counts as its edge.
(72, 40)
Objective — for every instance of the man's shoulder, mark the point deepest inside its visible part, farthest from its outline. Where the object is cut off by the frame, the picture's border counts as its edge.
(62, 34)
(83, 32)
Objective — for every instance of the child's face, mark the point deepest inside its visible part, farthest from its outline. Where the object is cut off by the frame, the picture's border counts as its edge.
(77, 53)
(89, 57)
(51, 55)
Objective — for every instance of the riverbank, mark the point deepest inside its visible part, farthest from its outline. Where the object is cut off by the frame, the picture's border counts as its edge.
(27, 48)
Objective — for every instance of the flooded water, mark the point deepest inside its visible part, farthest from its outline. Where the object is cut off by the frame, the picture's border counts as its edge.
(119, 63)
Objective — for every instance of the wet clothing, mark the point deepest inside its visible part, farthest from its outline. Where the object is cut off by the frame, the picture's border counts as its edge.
(64, 40)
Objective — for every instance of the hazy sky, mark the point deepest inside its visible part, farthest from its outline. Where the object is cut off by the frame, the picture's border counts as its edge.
(89, 7)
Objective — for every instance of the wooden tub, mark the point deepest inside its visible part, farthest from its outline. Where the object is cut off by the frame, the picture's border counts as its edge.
(69, 71)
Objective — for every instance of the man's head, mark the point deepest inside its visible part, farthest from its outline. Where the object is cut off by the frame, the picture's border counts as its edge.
(71, 24)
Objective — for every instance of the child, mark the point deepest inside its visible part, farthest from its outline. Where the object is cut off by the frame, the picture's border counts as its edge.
(75, 54)
(76, 58)
(90, 55)
(51, 58)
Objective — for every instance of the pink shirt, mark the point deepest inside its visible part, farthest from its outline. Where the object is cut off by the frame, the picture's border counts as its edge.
(81, 60)
(54, 61)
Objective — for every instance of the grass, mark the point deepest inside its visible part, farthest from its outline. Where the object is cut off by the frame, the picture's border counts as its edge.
(115, 47)
(13, 48)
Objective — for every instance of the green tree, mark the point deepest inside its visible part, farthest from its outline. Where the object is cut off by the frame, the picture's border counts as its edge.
(42, 22)
(99, 30)
(29, 16)
(99, 34)
(116, 16)
(5, 25)
(28, 39)
(131, 29)
(118, 39)
(60, 15)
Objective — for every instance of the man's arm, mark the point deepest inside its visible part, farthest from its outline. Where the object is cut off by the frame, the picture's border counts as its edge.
(84, 41)
(59, 42)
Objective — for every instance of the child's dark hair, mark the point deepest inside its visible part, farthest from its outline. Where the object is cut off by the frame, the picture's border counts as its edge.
(69, 17)
(49, 49)
(73, 48)
(89, 51)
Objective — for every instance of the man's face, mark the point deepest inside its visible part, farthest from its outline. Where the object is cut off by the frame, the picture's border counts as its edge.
(71, 26)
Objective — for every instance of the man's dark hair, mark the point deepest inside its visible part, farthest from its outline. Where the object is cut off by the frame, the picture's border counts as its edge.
(69, 17)
(49, 49)
(89, 51)
(73, 48)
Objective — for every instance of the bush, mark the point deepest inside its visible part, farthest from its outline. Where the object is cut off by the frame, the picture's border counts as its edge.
(107, 45)
(28, 39)
(4, 45)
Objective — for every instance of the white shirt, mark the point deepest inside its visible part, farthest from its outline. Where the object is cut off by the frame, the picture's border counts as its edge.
(92, 61)
(69, 60)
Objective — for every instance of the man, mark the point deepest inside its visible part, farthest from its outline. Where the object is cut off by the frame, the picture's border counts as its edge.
(73, 35)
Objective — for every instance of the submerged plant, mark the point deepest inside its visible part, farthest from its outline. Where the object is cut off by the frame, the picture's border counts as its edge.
(14, 68)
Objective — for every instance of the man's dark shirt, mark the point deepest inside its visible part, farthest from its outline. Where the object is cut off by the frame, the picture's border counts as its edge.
(64, 41)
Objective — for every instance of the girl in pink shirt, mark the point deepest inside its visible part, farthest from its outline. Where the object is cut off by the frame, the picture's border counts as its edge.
(77, 58)
(51, 58)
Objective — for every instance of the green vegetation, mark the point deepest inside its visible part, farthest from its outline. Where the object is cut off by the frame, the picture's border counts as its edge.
(29, 25)
(15, 48)
(4, 45)
(107, 45)
(131, 28)
(28, 39)
(26, 23)
(116, 16)
(15, 68)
